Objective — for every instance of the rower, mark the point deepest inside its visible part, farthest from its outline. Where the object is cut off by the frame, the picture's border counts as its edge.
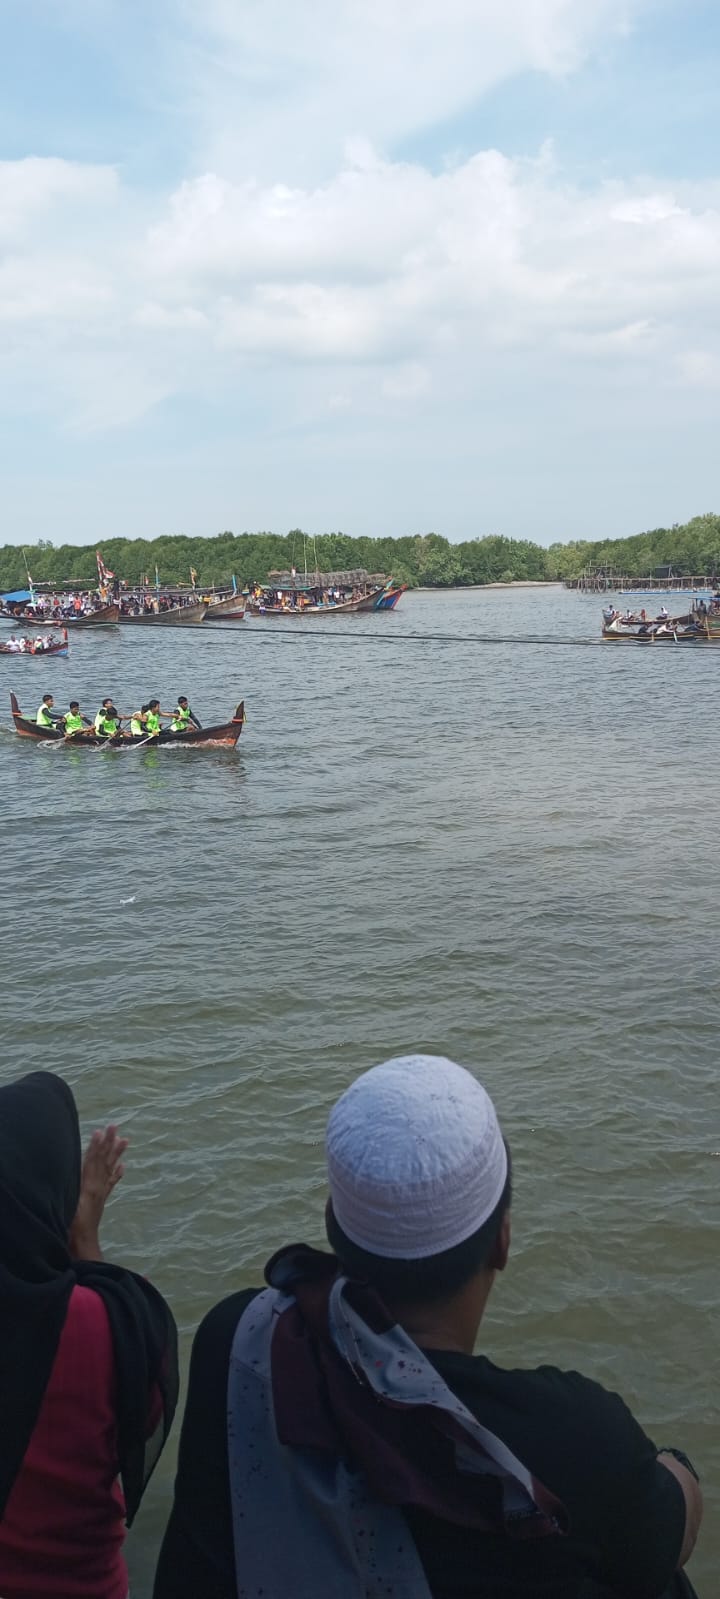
(183, 716)
(75, 722)
(46, 717)
(104, 708)
(154, 714)
(13, 644)
(138, 723)
(109, 721)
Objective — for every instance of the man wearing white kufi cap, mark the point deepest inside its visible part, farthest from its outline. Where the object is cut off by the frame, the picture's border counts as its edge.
(342, 1440)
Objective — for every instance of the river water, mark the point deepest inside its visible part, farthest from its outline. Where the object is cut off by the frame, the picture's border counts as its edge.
(505, 854)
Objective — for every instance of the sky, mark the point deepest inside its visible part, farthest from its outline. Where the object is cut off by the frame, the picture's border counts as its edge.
(384, 266)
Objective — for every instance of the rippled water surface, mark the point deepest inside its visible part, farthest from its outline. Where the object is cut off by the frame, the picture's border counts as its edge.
(509, 855)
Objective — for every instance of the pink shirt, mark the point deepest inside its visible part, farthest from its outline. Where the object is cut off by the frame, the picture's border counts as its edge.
(62, 1533)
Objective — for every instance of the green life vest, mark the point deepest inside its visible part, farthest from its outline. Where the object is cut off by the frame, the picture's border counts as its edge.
(108, 727)
(73, 722)
(44, 718)
(137, 728)
(153, 722)
(181, 720)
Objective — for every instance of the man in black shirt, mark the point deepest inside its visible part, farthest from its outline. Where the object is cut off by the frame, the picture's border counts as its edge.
(566, 1499)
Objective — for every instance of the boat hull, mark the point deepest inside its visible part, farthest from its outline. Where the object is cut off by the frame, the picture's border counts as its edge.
(223, 736)
(669, 636)
(342, 608)
(229, 610)
(105, 616)
(35, 655)
(385, 600)
(177, 616)
(61, 648)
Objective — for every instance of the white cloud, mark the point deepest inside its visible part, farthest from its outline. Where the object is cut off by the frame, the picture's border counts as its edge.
(387, 266)
(36, 188)
(303, 246)
(283, 84)
(391, 262)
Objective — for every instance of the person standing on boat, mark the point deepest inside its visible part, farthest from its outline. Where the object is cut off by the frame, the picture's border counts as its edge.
(46, 716)
(183, 717)
(341, 1437)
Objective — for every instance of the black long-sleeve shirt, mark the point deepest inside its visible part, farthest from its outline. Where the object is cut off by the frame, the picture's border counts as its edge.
(627, 1511)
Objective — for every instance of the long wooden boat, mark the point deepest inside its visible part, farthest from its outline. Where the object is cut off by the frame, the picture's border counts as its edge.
(58, 647)
(386, 600)
(176, 616)
(223, 736)
(231, 609)
(104, 616)
(333, 608)
(691, 629)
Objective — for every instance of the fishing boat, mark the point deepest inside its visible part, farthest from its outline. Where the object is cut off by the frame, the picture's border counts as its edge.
(30, 649)
(386, 600)
(224, 736)
(690, 629)
(103, 616)
(231, 609)
(174, 616)
(322, 594)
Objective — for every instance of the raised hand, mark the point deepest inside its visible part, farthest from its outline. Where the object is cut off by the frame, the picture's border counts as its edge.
(102, 1168)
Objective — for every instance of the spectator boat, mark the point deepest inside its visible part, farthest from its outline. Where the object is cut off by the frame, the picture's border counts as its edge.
(30, 649)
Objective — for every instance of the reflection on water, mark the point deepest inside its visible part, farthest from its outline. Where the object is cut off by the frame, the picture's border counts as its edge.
(504, 854)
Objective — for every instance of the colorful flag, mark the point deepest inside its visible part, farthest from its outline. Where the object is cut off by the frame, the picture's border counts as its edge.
(157, 578)
(193, 576)
(104, 573)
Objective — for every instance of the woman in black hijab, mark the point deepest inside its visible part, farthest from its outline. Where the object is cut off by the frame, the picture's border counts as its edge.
(51, 1203)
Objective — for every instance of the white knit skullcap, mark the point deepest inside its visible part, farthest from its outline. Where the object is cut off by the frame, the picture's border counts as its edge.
(416, 1159)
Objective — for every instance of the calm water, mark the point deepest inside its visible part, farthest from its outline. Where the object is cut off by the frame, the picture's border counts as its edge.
(506, 855)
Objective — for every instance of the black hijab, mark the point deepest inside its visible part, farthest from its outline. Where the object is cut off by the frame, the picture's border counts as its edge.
(40, 1167)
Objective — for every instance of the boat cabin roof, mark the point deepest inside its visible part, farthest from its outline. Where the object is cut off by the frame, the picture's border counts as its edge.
(313, 580)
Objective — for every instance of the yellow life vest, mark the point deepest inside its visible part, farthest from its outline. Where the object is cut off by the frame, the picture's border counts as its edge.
(73, 722)
(44, 718)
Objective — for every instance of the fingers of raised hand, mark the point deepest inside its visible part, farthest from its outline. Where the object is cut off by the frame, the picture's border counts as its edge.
(102, 1166)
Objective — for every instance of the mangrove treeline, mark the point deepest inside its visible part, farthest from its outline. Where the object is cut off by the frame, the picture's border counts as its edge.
(428, 559)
